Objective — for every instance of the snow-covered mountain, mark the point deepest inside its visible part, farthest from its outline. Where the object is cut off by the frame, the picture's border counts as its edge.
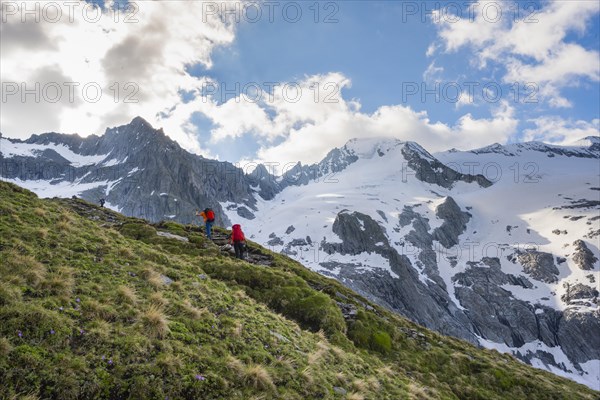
(500, 249)
(498, 246)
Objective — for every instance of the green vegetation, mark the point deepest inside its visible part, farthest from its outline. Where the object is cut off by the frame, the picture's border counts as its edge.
(97, 305)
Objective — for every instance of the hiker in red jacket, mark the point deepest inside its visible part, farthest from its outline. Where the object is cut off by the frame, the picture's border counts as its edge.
(238, 240)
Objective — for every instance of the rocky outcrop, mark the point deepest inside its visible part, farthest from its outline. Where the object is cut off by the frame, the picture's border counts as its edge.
(578, 335)
(360, 233)
(428, 169)
(539, 265)
(579, 291)
(495, 314)
(138, 170)
(455, 222)
(274, 240)
(245, 213)
(583, 256)
(267, 184)
(335, 161)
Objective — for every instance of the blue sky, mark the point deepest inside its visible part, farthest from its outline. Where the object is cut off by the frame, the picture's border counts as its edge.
(366, 44)
(374, 52)
(381, 49)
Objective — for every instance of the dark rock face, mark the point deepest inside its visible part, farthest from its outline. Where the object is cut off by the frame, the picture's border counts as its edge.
(245, 213)
(546, 358)
(578, 335)
(298, 243)
(429, 169)
(434, 309)
(359, 233)
(579, 291)
(583, 256)
(491, 311)
(455, 223)
(265, 181)
(335, 161)
(275, 242)
(495, 314)
(406, 216)
(382, 215)
(539, 265)
(149, 176)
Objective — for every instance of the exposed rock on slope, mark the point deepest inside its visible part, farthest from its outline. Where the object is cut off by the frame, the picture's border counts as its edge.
(455, 223)
(539, 265)
(359, 233)
(583, 256)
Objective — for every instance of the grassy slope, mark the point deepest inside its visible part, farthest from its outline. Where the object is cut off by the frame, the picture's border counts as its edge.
(92, 309)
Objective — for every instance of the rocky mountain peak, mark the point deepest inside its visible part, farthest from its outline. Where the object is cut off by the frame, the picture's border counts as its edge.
(367, 148)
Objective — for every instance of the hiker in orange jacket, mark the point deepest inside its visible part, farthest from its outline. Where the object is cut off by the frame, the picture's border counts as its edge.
(238, 240)
(209, 218)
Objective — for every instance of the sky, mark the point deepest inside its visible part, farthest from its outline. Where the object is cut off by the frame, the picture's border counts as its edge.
(285, 81)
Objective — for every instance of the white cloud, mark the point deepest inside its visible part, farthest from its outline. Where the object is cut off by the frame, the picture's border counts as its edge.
(310, 130)
(151, 51)
(305, 124)
(557, 130)
(535, 51)
(466, 98)
(433, 73)
(311, 100)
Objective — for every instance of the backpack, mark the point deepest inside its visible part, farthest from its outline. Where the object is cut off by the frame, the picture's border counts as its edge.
(210, 215)
(236, 233)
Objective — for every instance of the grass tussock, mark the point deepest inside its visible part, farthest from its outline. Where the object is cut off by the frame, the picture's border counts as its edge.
(9, 294)
(153, 278)
(340, 378)
(237, 329)
(93, 309)
(155, 322)
(253, 375)
(258, 377)
(26, 396)
(126, 295)
(192, 311)
(125, 252)
(359, 385)
(42, 233)
(316, 356)
(417, 392)
(22, 268)
(308, 375)
(40, 212)
(59, 283)
(159, 300)
(373, 384)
